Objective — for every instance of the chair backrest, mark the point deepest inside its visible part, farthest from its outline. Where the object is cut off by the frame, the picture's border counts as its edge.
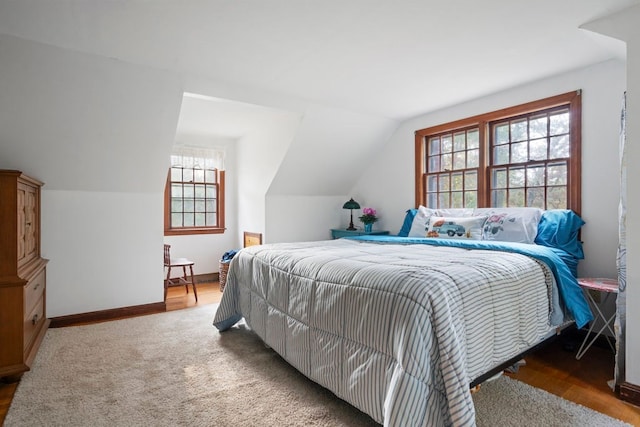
(167, 255)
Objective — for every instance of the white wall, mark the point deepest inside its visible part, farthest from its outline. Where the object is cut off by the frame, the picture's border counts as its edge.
(624, 26)
(330, 150)
(260, 154)
(304, 218)
(101, 254)
(633, 198)
(98, 132)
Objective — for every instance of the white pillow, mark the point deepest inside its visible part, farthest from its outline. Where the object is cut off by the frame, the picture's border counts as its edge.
(444, 227)
(456, 212)
(419, 225)
(518, 225)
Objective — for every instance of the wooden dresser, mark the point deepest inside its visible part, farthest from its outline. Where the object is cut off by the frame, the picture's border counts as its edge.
(23, 320)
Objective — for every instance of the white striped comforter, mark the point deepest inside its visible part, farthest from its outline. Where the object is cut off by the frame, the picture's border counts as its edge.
(398, 331)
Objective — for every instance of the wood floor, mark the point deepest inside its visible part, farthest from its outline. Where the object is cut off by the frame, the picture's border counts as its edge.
(551, 368)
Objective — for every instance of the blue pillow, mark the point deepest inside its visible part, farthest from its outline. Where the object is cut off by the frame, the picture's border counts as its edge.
(558, 228)
(408, 220)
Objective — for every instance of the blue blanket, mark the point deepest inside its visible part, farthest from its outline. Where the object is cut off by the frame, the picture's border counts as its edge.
(570, 292)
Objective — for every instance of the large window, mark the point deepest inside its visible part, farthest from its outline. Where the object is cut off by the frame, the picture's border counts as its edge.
(194, 194)
(528, 155)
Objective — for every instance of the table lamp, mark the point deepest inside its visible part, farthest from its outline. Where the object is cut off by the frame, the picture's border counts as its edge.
(351, 205)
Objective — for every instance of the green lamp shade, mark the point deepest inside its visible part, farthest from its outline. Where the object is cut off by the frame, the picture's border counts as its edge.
(351, 204)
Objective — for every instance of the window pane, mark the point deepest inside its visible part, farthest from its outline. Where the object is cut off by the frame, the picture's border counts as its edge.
(501, 155)
(459, 160)
(535, 197)
(444, 183)
(516, 197)
(447, 144)
(556, 198)
(211, 192)
(519, 130)
(434, 164)
(538, 149)
(471, 199)
(473, 138)
(499, 198)
(459, 142)
(446, 162)
(456, 182)
(538, 127)
(210, 206)
(188, 191)
(456, 199)
(434, 146)
(516, 178)
(200, 220)
(176, 174)
(443, 200)
(176, 205)
(176, 190)
(559, 147)
(199, 191)
(211, 220)
(470, 180)
(519, 152)
(199, 205)
(432, 200)
(432, 183)
(501, 134)
(535, 176)
(187, 175)
(188, 220)
(559, 123)
(188, 205)
(176, 220)
(210, 176)
(198, 175)
(499, 178)
(473, 158)
(557, 174)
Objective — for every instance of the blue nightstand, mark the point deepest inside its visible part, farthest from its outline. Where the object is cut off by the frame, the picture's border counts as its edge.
(338, 233)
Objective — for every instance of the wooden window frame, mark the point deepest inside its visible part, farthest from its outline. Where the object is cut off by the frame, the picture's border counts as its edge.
(179, 231)
(572, 100)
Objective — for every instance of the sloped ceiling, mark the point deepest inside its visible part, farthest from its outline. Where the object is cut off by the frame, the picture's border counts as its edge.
(352, 69)
(392, 59)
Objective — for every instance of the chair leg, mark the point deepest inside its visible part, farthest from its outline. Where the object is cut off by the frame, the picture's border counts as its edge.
(186, 281)
(193, 283)
(166, 283)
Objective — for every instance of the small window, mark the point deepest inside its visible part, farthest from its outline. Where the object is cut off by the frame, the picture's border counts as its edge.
(194, 196)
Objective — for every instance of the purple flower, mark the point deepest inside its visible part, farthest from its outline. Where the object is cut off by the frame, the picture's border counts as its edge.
(369, 211)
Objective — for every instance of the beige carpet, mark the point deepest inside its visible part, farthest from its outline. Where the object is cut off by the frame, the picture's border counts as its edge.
(175, 369)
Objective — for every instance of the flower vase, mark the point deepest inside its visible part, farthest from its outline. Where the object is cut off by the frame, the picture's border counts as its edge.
(368, 227)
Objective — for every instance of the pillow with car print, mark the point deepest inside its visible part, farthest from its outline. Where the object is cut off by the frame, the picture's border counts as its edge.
(456, 227)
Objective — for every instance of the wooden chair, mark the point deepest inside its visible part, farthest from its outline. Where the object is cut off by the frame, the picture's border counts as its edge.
(185, 280)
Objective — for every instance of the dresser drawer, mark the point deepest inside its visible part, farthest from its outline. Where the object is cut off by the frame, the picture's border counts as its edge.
(33, 322)
(34, 290)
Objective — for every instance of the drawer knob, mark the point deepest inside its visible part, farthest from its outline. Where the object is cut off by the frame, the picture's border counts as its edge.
(35, 319)
(36, 286)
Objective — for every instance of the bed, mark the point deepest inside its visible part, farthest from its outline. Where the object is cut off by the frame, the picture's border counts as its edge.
(400, 326)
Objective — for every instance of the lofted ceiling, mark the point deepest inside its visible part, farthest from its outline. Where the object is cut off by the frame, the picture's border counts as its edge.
(391, 59)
